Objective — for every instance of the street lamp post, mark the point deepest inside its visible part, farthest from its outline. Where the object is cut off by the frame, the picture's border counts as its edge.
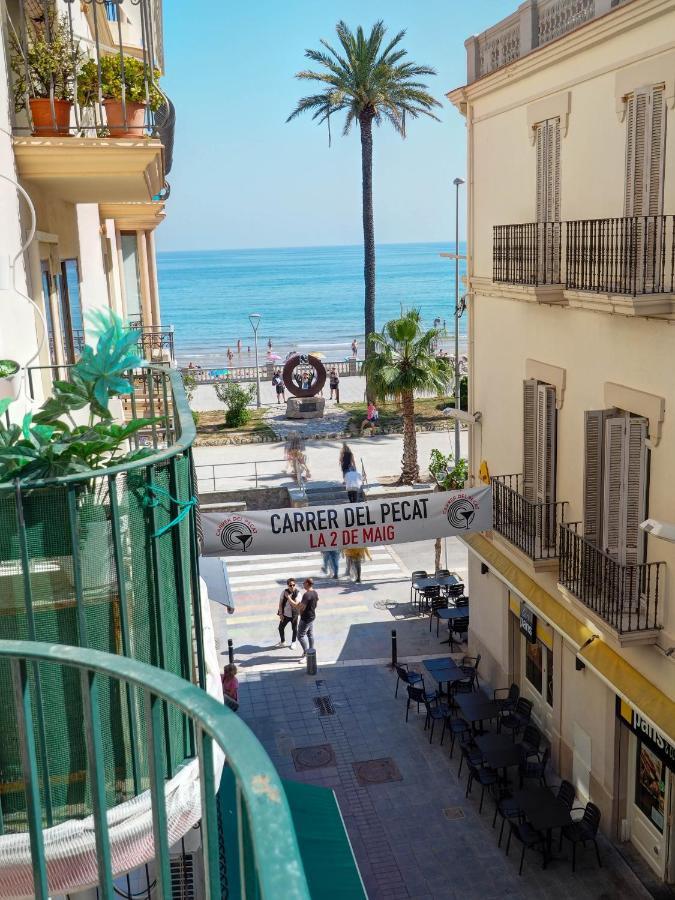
(457, 182)
(254, 319)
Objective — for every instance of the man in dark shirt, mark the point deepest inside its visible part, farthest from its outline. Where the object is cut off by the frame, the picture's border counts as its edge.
(307, 608)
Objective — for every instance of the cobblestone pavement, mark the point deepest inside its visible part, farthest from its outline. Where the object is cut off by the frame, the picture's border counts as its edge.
(334, 421)
(417, 837)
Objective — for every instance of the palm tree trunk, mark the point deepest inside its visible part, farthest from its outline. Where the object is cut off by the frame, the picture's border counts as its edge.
(366, 124)
(410, 470)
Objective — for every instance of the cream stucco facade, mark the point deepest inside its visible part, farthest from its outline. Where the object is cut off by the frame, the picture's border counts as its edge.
(605, 349)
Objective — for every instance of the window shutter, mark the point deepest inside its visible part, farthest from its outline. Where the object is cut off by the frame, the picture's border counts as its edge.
(635, 480)
(529, 438)
(594, 429)
(657, 147)
(630, 154)
(553, 171)
(613, 488)
(542, 155)
(638, 152)
(545, 448)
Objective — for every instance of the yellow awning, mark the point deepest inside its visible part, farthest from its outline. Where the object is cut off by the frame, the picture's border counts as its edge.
(612, 668)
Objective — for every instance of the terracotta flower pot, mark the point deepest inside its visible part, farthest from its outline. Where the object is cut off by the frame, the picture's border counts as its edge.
(43, 122)
(134, 126)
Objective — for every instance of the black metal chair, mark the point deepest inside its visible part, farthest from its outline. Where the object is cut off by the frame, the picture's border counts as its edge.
(457, 727)
(459, 686)
(460, 627)
(566, 794)
(469, 752)
(442, 573)
(438, 603)
(509, 810)
(531, 740)
(418, 695)
(535, 769)
(454, 591)
(516, 719)
(584, 831)
(403, 675)
(529, 838)
(469, 666)
(485, 776)
(429, 594)
(461, 601)
(509, 701)
(436, 712)
(418, 573)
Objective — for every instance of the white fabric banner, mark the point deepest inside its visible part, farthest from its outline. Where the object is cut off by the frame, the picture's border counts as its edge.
(377, 522)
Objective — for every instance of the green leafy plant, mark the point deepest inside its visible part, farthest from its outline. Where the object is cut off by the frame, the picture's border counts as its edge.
(189, 384)
(8, 367)
(138, 80)
(49, 59)
(50, 443)
(236, 398)
(448, 474)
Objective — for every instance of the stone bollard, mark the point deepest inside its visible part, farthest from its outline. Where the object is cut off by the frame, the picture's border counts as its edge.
(311, 662)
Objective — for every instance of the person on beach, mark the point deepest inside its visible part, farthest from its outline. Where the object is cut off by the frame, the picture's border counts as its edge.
(355, 348)
(371, 419)
(307, 609)
(238, 345)
(230, 685)
(334, 383)
(230, 355)
(355, 557)
(269, 343)
(354, 485)
(288, 613)
(347, 460)
(278, 383)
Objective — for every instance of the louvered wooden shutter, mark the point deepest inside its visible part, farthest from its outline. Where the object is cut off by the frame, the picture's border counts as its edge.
(529, 438)
(545, 447)
(548, 170)
(630, 155)
(635, 503)
(657, 148)
(542, 142)
(594, 430)
(645, 151)
(625, 480)
(613, 512)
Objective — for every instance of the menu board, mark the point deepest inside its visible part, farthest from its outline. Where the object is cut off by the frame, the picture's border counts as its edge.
(650, 785)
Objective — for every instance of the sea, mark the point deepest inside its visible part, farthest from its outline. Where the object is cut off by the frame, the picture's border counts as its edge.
(310, 299)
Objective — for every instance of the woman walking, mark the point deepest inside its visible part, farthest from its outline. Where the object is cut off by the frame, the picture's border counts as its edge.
(355, 557)
(288, 613)
(347, 461)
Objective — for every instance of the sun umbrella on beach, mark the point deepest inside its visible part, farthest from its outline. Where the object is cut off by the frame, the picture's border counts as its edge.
(273, 356)
(318, 354)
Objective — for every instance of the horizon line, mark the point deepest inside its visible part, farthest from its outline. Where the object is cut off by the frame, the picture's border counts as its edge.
(309, 247)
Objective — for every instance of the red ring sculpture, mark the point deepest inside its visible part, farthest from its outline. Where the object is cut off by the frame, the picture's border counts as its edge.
(299, 360)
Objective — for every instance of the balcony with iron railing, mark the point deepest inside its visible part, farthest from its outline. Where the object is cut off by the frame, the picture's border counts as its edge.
(627, 597)
(531, 526)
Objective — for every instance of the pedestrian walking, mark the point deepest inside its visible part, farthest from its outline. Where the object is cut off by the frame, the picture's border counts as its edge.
(269, 343)
(371, 419)
(355, 557)
(230, 685)
(287, 612)
(355, 348)
(307, 610)
(347, 460)
(334, 384)
(331, 562)
(278, 383)
(230, 355)
(354, 485)
(238, 345)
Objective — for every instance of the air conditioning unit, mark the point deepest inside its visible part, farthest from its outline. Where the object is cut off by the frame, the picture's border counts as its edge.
(187, 876)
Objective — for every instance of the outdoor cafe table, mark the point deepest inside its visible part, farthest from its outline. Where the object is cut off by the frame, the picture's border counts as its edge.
(477, 707)
(499, 751)
(421, 584)
(543, 811)
(450, 614)
(442, 670)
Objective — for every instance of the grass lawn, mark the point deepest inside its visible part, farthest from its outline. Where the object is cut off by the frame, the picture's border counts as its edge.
(427, 410)
(212, 425)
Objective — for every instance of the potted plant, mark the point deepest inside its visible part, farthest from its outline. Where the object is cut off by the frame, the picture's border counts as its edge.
(45, 70)
(121, 77)
(9, 379)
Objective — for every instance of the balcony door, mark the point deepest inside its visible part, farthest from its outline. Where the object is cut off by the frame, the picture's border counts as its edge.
(548, 201)
(539, 459)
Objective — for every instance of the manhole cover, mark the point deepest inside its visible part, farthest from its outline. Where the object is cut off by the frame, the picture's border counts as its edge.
(317, 757)
(376, 771)
(453, 812)
(325, 706)
(387, 604)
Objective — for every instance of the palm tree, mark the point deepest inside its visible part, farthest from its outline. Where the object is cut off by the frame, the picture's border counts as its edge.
(369, 80)
(402, 362)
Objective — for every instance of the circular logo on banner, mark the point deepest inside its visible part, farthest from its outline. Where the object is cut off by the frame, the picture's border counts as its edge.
(461, 513)
(237, 536)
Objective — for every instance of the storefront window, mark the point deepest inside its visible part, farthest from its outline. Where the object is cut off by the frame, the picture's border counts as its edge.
(549, 677)
(533, 665)
(650, 785)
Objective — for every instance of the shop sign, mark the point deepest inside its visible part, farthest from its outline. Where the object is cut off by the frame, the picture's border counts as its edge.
(528, 623)
(648, 733)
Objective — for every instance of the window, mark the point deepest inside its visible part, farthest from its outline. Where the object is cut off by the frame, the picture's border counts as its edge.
(132, 284)
(650, 785)
(533, 665)
(615, 483)
(645, 151)
(549, 677)
(70, 285)
(539, 457)
(46, 295)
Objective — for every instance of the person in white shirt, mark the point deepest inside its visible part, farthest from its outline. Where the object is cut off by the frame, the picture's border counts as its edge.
(353, 483)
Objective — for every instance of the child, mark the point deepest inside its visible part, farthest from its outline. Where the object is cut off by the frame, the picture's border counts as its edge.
(230, 687)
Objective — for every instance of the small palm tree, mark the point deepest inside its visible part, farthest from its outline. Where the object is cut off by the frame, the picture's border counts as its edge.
(369, 80)
(402, 362)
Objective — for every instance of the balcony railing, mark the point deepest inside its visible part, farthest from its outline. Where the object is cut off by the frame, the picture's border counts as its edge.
(92, 30)
(625, 596)
(528, 253)
(155, 342)
(531, 527)
(632, 255)
(262, 846)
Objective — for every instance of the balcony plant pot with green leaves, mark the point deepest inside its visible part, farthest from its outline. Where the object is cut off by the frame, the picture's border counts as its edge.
(10, 379)
(45, 67)
(126, 88)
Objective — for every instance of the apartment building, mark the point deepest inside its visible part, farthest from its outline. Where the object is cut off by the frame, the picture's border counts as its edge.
(569, 109)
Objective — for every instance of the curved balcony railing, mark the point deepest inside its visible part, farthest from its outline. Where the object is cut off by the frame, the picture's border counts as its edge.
(105, 559)
(265, 855)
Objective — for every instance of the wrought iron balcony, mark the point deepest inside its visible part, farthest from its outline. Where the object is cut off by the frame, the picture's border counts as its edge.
(625, 596)
(248, 848)
(156, 342)
(527, 254)
(530, 526)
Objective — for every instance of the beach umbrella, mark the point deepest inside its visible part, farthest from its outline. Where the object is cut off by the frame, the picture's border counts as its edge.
(273, 356)
(318, 354)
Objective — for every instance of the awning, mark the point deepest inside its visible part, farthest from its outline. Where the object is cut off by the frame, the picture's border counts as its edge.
(327, 856)
(611, 667)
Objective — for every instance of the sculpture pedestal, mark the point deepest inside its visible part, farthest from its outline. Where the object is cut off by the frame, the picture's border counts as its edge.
(305, 407)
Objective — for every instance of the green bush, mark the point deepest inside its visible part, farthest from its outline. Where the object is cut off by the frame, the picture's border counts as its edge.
(236, 398)
(447, 476)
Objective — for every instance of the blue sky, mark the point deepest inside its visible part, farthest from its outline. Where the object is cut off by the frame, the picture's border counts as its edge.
(244, 178)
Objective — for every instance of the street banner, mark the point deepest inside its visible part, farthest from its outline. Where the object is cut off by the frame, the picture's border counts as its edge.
(374, 523)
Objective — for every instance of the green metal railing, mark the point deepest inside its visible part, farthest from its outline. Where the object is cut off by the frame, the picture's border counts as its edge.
(269, 860)
(105, 559)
